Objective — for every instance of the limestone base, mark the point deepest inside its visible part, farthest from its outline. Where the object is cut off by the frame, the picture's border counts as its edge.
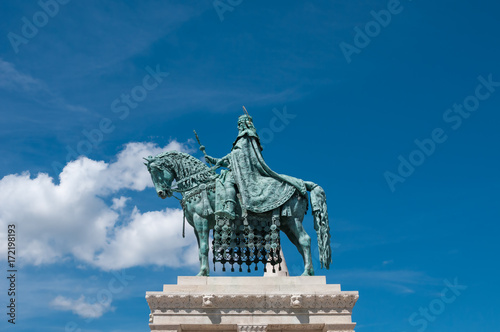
(251, 304)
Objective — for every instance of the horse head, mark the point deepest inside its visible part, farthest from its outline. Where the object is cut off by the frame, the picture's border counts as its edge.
(161, 174)
(182, 167)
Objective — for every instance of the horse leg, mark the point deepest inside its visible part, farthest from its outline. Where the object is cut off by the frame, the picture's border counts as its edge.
(285, 229)
(300, 236)
(199, 251)
(201, 231)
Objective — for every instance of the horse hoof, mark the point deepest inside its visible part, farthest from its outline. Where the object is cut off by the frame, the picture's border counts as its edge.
(308, 273)
(202, 274)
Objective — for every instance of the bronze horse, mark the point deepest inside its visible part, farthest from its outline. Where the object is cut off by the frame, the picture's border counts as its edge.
(196, 181)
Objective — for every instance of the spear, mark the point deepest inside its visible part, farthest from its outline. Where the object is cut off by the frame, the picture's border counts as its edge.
(202, 147)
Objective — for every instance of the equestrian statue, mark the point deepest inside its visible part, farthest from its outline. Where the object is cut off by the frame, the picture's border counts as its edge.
(246, 205)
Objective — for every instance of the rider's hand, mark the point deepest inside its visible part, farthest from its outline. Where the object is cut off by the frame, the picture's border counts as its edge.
(211, 160)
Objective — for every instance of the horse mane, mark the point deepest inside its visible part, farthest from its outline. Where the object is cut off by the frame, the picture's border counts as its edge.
(183, 164)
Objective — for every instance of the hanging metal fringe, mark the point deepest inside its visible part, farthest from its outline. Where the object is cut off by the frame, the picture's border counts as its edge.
(251, 240)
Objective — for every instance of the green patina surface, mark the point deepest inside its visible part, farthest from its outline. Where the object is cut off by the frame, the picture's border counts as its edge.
(247, 204)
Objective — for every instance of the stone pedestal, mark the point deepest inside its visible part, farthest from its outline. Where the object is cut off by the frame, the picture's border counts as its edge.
(251, 304)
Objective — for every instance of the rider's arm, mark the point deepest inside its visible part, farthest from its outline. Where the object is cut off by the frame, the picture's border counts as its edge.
(212, 160)
(225, 161)
(221, 162)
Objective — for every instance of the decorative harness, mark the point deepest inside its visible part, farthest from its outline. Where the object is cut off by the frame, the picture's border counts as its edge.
(190, 193)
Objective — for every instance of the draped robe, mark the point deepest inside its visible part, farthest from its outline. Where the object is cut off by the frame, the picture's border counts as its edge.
(261, 188)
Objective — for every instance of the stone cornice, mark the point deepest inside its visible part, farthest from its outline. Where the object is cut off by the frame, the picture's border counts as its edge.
(341, 302)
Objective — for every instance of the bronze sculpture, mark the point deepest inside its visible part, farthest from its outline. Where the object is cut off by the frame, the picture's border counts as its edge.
(246, 205)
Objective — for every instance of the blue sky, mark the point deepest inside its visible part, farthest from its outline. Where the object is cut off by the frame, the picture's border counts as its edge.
(392, 107)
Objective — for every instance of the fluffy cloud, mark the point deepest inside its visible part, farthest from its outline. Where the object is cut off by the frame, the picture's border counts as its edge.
(81, 307)
(150, 238)
(72, 218)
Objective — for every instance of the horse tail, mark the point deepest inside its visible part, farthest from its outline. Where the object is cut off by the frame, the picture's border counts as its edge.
(321, 224)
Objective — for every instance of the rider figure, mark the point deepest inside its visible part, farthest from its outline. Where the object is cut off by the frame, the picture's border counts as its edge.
(247, 131)
(260, 188)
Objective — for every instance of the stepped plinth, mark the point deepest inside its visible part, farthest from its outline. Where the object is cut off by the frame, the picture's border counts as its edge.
(278, 303)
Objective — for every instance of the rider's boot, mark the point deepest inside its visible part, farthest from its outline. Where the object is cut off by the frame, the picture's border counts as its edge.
(229, 208)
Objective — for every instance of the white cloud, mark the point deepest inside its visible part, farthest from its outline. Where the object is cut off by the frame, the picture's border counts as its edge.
(72, 219)
(119, 203)
(81, 307)
(150, 238)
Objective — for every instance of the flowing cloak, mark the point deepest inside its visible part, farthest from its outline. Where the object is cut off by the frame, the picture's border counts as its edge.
(261, 189)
